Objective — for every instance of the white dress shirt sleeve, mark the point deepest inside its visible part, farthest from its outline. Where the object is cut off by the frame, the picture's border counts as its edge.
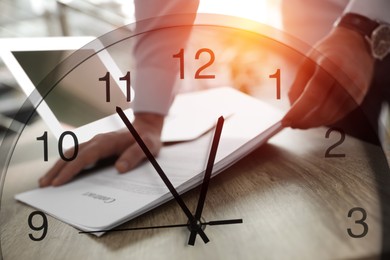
(373, 9)
(156, 70)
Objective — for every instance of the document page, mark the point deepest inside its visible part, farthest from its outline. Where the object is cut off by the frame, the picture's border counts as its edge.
(104, 199)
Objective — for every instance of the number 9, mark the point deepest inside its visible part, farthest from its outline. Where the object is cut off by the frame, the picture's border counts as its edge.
(42, 227)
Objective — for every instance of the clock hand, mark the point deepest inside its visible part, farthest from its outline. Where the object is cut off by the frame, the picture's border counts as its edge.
(135, 228)
(160, 172)
(223, 222)
(207, 175)
(211, 223)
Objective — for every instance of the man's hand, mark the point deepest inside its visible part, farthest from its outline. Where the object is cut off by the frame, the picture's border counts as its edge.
(332, 81)
(119, 143)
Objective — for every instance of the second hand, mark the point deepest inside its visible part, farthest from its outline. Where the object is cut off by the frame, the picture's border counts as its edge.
(210, 223)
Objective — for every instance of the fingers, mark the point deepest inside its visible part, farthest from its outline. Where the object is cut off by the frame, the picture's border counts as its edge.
(89, 155)
(304, 73)
(315, 93)
(320, 99)
(106, 145)
(133, 155)
(322, 102)
(335, 107)
(46, 180)
(149, 127)
(99, 147)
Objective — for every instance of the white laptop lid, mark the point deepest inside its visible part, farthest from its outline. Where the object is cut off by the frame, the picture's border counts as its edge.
(31, 60)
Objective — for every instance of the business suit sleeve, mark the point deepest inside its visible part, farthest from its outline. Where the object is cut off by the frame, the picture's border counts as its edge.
(156, 70)
(374, 9)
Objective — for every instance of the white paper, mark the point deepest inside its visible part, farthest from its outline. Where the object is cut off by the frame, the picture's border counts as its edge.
(105, 199)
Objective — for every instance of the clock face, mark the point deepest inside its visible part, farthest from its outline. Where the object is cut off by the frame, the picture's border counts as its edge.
(304, 194)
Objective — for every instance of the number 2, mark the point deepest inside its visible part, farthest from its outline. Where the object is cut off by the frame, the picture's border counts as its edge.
(210, 62)
(328, 153)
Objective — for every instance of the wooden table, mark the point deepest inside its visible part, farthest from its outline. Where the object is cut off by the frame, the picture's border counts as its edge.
(293, 200)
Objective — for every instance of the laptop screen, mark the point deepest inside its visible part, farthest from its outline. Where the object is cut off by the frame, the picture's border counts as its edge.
(80, 92)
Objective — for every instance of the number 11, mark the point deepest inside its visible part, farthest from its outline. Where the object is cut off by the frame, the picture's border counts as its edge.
(126, 78)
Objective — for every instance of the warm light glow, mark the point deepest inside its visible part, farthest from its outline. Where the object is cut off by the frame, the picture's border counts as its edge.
(263, 11)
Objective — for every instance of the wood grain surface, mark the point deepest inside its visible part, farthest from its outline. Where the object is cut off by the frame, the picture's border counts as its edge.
(293, 200)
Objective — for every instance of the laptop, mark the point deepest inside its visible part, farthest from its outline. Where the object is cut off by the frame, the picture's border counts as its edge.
(30, 60)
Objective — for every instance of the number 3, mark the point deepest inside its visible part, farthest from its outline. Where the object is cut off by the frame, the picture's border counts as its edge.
(359, 221)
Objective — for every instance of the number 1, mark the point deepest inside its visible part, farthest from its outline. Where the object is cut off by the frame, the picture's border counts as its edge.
(44, 139)
(180, 55)
(127, 79)
(276, 76)
(106, 78)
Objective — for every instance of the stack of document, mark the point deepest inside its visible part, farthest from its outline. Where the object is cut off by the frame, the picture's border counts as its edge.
(104, 199)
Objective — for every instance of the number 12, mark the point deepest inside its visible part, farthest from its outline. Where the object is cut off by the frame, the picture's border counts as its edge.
(198, 75)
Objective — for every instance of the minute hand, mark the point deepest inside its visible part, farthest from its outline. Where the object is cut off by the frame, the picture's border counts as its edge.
(160, 172)
(207, 176)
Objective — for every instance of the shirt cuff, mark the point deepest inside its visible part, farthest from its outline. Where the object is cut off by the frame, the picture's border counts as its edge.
(373, 9)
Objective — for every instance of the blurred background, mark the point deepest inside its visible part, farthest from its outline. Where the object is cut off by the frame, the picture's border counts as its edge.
(243, 66)
(47, 18)
(25, 18)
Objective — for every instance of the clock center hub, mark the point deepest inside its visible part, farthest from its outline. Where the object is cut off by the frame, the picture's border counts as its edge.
(196, 225)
